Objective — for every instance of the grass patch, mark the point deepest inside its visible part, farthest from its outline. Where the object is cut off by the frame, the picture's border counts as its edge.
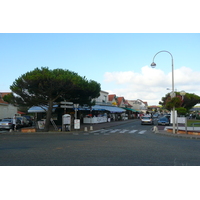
(191, 121)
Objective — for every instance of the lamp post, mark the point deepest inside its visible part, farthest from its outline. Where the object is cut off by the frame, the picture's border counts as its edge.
(153, 64)
(182, 93)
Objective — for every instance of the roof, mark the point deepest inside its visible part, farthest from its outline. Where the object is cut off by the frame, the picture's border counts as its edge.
(21, 113)
(120, 100)
(154, 106)
(2, 94)
(111, 97)
(3, 102)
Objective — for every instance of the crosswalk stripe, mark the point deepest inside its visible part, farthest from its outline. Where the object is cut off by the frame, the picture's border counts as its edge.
(109, 131)
(142, 132)
(123, 131)
(133, 131)
(115, 130)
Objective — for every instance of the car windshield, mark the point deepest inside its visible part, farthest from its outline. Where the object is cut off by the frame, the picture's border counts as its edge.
(145, 117)
(164, 118)
(6, 120)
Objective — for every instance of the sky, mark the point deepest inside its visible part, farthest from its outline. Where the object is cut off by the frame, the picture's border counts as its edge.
(113, 44)
(120, 62)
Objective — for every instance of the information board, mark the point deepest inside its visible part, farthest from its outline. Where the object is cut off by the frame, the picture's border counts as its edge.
(77, 124)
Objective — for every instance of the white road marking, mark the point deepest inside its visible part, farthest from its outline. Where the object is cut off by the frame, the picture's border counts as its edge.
(115, 130)
(123, 131)
(142, 132)
(133, 131)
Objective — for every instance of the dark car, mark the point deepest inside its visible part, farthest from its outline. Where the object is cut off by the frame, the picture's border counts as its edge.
(163, 121)
(30, 121)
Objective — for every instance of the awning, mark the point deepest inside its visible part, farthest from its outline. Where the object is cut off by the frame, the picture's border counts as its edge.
(131, 109)
(112, 109)
(38, 109)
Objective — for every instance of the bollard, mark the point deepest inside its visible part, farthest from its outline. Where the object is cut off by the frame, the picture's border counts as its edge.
(85, 129)
(91, 128)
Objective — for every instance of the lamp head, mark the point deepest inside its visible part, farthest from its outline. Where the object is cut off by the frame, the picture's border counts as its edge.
(182, 93)
(153, 64)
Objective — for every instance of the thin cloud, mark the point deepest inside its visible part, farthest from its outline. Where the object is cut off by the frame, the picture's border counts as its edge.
(151, 84)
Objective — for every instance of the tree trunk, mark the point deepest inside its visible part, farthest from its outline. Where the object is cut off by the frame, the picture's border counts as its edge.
(48, 117)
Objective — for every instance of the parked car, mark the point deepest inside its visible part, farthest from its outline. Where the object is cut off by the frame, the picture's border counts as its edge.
(155, 115)
(30, 121)
(168, 116)
(147, 120)
(24, 121)
(7, 123)
(163, 121)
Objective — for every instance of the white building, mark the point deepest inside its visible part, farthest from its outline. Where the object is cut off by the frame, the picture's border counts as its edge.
(6, 109)
(138, 105)
(102, 99)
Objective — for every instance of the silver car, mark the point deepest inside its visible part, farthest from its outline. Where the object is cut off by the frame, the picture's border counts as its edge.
(7, 123)
(147, 120)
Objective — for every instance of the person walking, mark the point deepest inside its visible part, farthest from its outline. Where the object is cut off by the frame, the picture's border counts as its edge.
(14, 122)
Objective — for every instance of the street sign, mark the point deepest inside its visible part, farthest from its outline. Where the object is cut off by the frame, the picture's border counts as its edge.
(65, 102)
(66, 106)
(77, 124)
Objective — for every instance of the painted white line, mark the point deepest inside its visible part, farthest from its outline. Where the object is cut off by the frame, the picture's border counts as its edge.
(142, 132)
(133, 131)
(115, 130)
(123, 131)
(96, 133)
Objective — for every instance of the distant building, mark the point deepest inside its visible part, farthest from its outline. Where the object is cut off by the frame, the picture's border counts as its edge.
(102, 99)
(138, 105)
(6, 109)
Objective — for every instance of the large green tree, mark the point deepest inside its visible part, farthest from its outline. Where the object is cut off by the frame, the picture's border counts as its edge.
(44, 87)
(182, 104)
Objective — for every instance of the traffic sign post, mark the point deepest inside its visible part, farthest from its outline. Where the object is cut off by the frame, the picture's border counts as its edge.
(66, 105)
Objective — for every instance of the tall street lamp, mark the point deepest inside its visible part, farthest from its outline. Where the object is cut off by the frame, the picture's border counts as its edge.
(153, 64)
(182, 93)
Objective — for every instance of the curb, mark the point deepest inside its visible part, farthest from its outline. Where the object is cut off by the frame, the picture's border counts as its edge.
(178, 135)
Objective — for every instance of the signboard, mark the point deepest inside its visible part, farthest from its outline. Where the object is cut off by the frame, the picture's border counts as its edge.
(66, 106)
(65, 102)
(66, 119)
(41, 124)
(77, 124)
(181, 120)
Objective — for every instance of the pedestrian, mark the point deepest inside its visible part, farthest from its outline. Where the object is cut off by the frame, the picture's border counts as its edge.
(14, 122)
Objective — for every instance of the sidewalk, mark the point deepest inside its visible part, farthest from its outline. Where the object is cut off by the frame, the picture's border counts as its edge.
(192, 132)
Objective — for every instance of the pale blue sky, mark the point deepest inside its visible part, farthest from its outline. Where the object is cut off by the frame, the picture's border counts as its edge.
(93, 54)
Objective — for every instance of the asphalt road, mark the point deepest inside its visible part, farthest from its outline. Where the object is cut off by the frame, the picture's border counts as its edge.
(130, 144)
